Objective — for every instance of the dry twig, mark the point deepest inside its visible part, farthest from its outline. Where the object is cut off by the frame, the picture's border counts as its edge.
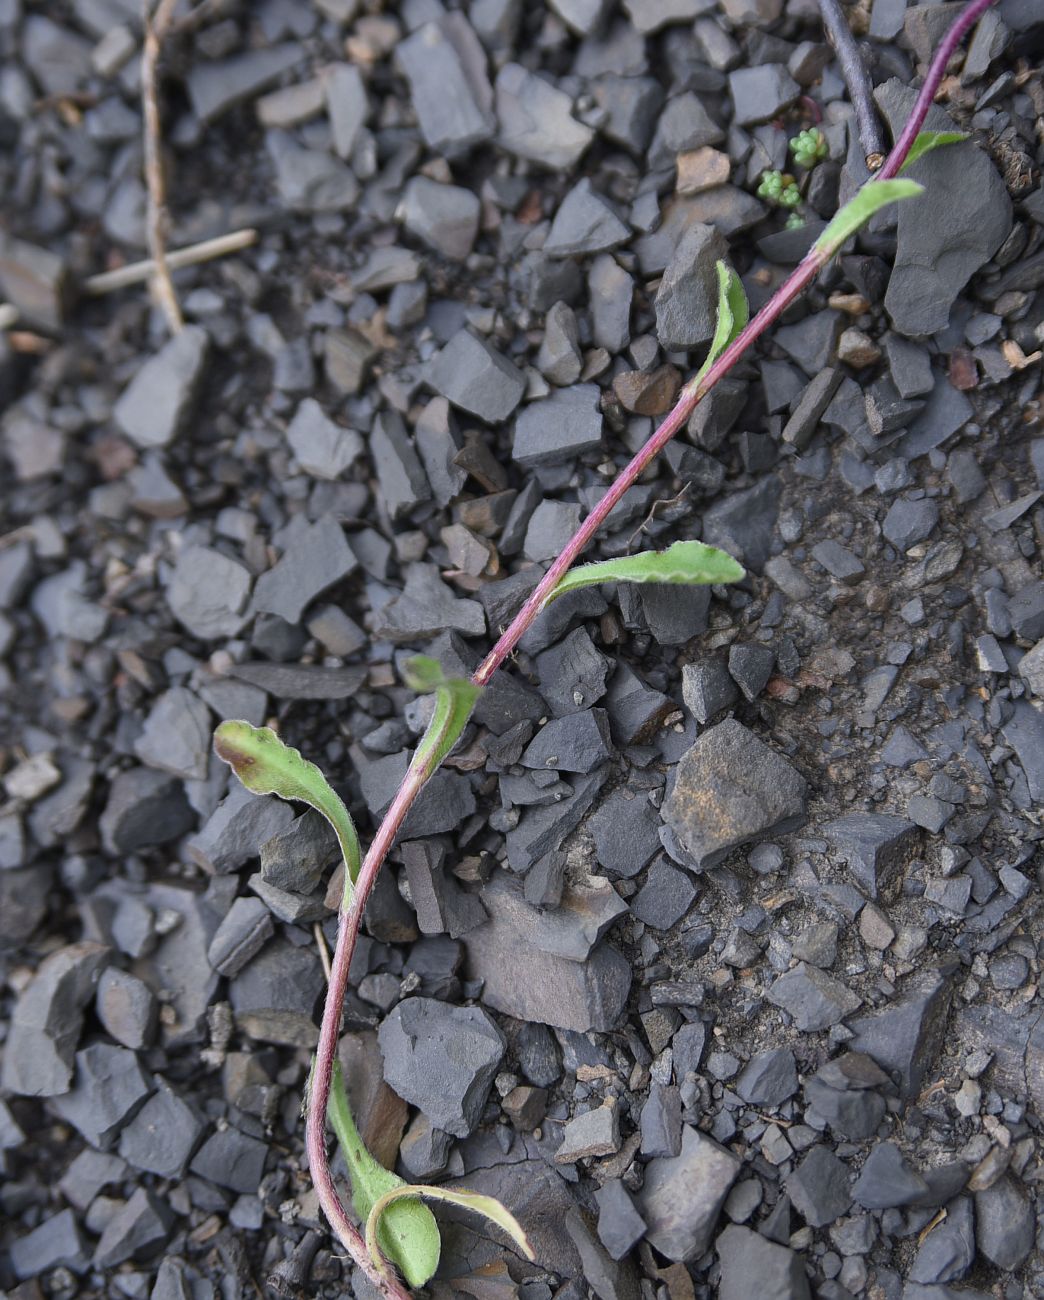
(857, 79)
(156, 26)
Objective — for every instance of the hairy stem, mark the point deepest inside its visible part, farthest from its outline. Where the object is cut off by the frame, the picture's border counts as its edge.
(351, 915)
(857, 79)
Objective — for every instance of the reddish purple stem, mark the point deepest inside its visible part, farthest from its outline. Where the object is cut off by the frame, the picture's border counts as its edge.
(351, 916)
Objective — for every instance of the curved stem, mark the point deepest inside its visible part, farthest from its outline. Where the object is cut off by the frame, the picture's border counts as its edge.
(351, 915)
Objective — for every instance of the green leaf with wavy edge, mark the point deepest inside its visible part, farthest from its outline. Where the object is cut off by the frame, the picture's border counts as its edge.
(691, 564)
(267, 765)
(929, 140)
(454, 700)
(407, 1233)
(733, 312)
(874, 196)
(485, 1205)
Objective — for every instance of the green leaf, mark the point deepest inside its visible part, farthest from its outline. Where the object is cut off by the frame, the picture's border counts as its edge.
(929, 140)
(687, 563)
(407, 1234)
(732, 317)
(265, 765)
(485, 1205)
(454, 700)
(873, 196)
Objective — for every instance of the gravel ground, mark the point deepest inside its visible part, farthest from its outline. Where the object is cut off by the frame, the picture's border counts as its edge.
(714, 950)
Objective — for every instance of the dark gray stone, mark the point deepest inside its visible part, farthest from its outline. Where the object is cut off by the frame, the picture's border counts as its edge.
(470, 373)
(813, 999)
(1005, 1224)
(591, 1134)
(442, 1059)
(237, 828)
(536, 121)
(620, 1226)
(442, 906)
(664, 898)
(572, 674)
(578, 742)
(176, 737)
(769, 1078)
(428, 606)
(636, 709)
(144, 808)
(526, 977)
(673, 614)
(750, 667)
(876, 847)
(908, 522)
(55, 1243)
(730, 789)
(232, 1159)
(315, 557)
(905, 1037)
(321, 447)
(661, 1122)
(584, 223)
(625, 829)
(948, 1251)
(108, 1088)
(244, 930)
(446, 68)
(400, 475)
(683, 1195)
(558, 428)
(936, 259)
(445, 217)
(683, 125)
(819, 1187)
(207, 593)
(126, 1008)
(744, 522)
(754, 1266)
(686, 301)
(156, 403)
(216, 86)
(886, 1180)
(708, 689)
(800, 428)
(1024, 732)
(161, 1138)
(297, 858)
(761, 93)
(838, 561)
(610, 290)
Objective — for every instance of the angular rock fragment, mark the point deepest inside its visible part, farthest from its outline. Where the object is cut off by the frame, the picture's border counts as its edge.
(576, 743)
(55, 1243)
(428, 606)
(761, 93)
(207, 592)
(820, 1187)
(559, 428)
(321, 447)
(686, 301)
(683, 1195)
(948, 1251)
(584, 223)
(594, 1133)
(876, 847)
(162, 1136)
(471, 374)
(731, 788)
(445, 217)
(769, 1078)
(935, 259)
(446, 68)
(232, 1159)
(552, 975)
(886, 1180)
(536, 121)
(625, 831)
(244, 930)
(1005, 1225)
(237, 828)
(35, 280)
(216, 86)
(156, 403)
(126, 1008)
(176, 736)
(47, 1020)
(442, 906)
(442, 1059)
(108, 1088)
(754, 1266)
(315, 557)
(620, 1226)
(906, 1036)
(813, 999)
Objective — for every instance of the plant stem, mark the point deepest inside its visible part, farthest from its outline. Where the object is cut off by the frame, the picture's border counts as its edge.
(857, 79)
(156, 26)
(351, 915)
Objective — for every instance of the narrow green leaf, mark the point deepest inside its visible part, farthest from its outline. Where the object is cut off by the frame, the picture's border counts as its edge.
(873, 196)
(485, 1205)
(686, 563)
(733, 312)
(407, 1234)
(929, 140)
(265, 765)
(454, 700)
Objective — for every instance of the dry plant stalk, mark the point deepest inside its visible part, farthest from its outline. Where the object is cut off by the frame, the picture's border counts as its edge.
(156, 27)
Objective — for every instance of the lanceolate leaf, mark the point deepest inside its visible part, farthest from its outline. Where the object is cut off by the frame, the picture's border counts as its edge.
(454, 701)
(929, 140)
(686, 563)
(407, 1234)
(486, 1205)
(266, 765)
(858, 211)
(732, 317)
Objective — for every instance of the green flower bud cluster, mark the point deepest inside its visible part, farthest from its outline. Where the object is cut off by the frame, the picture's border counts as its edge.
(779, 188)
(809, 147)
